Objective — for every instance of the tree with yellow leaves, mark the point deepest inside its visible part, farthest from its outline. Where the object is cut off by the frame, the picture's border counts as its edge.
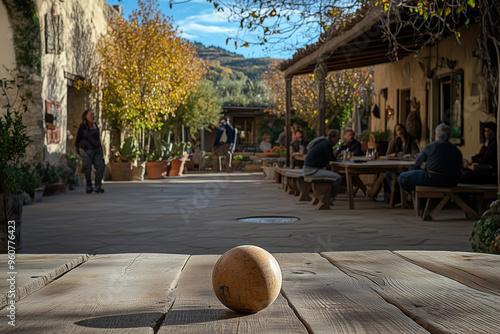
(147, 69)
(342, 89)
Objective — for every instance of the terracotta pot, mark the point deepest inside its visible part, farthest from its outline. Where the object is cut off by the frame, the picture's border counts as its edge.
(177, 167)
(190, 165)
(120, 171)
(52, 189)
(137, 172)
(277, 176)
(157, 169)
(236, 164)
(11, 209)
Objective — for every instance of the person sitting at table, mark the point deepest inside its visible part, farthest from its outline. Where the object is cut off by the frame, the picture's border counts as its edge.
(319, 155)
(350, 144)
(443, 164)
(265, 144)
(402, 143)
(482, 167)
(299, 145)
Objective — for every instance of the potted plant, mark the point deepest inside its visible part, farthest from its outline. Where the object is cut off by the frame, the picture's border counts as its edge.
(157, 159)
(72, 161)
(179, 155)
(238, 161)
(51, 178)
(32, 182)
(13, 144)
(127, 155)
(485, 236)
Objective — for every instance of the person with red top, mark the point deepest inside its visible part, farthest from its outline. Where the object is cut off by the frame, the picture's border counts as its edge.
(487, 158)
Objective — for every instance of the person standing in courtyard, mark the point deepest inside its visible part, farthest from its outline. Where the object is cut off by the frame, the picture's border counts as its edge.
(319, 155)
(224, 144)
(443, 164)
(88, 146)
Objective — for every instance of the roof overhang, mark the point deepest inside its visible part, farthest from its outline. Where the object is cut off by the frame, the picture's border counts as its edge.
(361, 45)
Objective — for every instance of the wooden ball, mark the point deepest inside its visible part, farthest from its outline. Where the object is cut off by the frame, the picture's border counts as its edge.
(246, 279)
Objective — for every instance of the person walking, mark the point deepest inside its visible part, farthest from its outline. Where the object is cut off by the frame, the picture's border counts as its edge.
(88, 146)
(224, 145)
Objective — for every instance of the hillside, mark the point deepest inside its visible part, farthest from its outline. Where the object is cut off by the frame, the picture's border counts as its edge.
(226, 64)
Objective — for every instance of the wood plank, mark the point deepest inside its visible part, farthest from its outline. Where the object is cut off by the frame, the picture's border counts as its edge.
(477, 270)
(437, 303)
(119, 293)
(33, 272)
(197, 310)
(329, 301)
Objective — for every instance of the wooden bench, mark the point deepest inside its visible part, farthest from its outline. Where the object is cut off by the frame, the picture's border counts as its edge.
(481, 192)
(301, 188)
(321, 188)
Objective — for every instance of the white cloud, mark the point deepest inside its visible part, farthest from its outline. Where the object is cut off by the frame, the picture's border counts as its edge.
(204, 29)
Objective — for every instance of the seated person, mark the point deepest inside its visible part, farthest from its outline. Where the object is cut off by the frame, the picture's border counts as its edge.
(320, 153)
(443, 164)
(299, 144)
(403, 143)
(265, 144)
(487, 156)
(350, 144)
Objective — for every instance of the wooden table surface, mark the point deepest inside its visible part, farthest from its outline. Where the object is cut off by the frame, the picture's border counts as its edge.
(355, 167)
(335, 292)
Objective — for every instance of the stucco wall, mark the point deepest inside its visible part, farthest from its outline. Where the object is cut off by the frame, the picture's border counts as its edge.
(407, 74)
(84, 21)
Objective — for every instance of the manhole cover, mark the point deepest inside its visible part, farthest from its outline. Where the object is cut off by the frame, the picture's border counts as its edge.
(269, 220)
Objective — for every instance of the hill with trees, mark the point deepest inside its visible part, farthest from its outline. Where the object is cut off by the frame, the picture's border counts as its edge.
(224, 64)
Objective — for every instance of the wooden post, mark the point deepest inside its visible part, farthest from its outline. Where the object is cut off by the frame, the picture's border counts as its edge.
(320, 73)
(288, 118)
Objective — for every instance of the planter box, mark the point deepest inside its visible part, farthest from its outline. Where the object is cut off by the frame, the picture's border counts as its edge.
(37, 194)
(52, 189)
(252, 167)
(11, 209)
(137, 172)
(157, 169)
(120, 171)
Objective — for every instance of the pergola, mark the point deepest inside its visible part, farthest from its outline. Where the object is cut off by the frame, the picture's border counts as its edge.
(361, 43)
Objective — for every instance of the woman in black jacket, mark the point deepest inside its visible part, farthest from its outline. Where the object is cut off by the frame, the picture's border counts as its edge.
(88, 146)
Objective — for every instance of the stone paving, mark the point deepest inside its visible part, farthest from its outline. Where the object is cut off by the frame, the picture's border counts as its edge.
(198, 214)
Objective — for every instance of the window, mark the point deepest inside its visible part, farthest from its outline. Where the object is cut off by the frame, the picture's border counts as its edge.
(451, 104)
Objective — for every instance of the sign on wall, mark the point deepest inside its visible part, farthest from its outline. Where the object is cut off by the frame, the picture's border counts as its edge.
(53, 121)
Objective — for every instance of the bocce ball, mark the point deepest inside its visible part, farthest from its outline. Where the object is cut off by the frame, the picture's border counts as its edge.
(246, 279)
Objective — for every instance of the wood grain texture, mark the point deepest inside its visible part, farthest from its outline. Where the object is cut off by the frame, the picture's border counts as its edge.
(197, 310)
(119, 293)
(36, 271)
(329, 301)
(476, 270)
(437, 303)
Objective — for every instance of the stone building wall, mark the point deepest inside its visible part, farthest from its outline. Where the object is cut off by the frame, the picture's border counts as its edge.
(69, 32)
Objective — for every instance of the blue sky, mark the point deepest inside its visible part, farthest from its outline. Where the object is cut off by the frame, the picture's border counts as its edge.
(199, 22)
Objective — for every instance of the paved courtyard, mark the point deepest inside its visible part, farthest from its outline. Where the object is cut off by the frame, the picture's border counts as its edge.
(198, 214)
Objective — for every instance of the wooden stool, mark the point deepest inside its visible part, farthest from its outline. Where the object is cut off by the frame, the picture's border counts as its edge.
(321, 188)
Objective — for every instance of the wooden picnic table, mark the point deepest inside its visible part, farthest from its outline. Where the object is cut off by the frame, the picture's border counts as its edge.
(357, 166)
(333, 292)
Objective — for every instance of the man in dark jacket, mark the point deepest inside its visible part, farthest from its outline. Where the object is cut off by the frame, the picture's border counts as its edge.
(350, 144)
(319, 155)
(224, 144)
(443, 164)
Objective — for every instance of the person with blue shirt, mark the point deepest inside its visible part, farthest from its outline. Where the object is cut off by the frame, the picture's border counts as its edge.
(224, 144)
(443, 164)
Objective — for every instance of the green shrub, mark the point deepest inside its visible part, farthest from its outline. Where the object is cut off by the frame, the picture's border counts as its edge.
(485, 236)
